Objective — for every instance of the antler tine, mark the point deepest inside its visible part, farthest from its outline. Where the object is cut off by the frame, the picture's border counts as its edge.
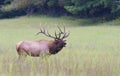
(42, 30)
(56, 35)
(60, 29)
(59, 35)
(66, 35)
(64, 29)
(39, 31)
(50, 35)
(45, 32)
(61, 32)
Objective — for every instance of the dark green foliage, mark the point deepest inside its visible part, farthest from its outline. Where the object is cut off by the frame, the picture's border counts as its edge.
(12, 13)
(93, 8)
(2, 2)
(52, 3)
(108, 9)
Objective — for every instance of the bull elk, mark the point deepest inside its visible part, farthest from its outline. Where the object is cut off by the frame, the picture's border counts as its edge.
(37, 48)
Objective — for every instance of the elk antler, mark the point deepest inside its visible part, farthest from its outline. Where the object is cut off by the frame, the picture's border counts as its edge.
(65, 34)
(57, 36)
(45, 32)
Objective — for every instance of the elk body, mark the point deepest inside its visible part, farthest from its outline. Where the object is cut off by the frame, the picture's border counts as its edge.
(43, 47)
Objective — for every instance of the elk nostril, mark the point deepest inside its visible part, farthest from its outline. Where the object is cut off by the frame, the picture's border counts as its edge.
(64, 44)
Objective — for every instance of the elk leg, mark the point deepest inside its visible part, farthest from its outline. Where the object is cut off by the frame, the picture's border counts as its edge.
(22, 55)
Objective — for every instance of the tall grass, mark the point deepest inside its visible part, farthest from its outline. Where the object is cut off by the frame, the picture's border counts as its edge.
(90, 51)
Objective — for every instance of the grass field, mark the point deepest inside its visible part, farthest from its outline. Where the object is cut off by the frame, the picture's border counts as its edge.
(92, 49)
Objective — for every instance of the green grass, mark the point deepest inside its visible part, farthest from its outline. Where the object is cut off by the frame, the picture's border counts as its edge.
(91, 50)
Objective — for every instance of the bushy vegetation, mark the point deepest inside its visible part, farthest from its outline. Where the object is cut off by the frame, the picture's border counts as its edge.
(81, 8)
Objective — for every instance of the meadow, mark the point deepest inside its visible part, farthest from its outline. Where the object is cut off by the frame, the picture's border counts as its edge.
(93, 49)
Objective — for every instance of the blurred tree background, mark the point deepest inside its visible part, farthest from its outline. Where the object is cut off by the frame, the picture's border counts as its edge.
(108, 9)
